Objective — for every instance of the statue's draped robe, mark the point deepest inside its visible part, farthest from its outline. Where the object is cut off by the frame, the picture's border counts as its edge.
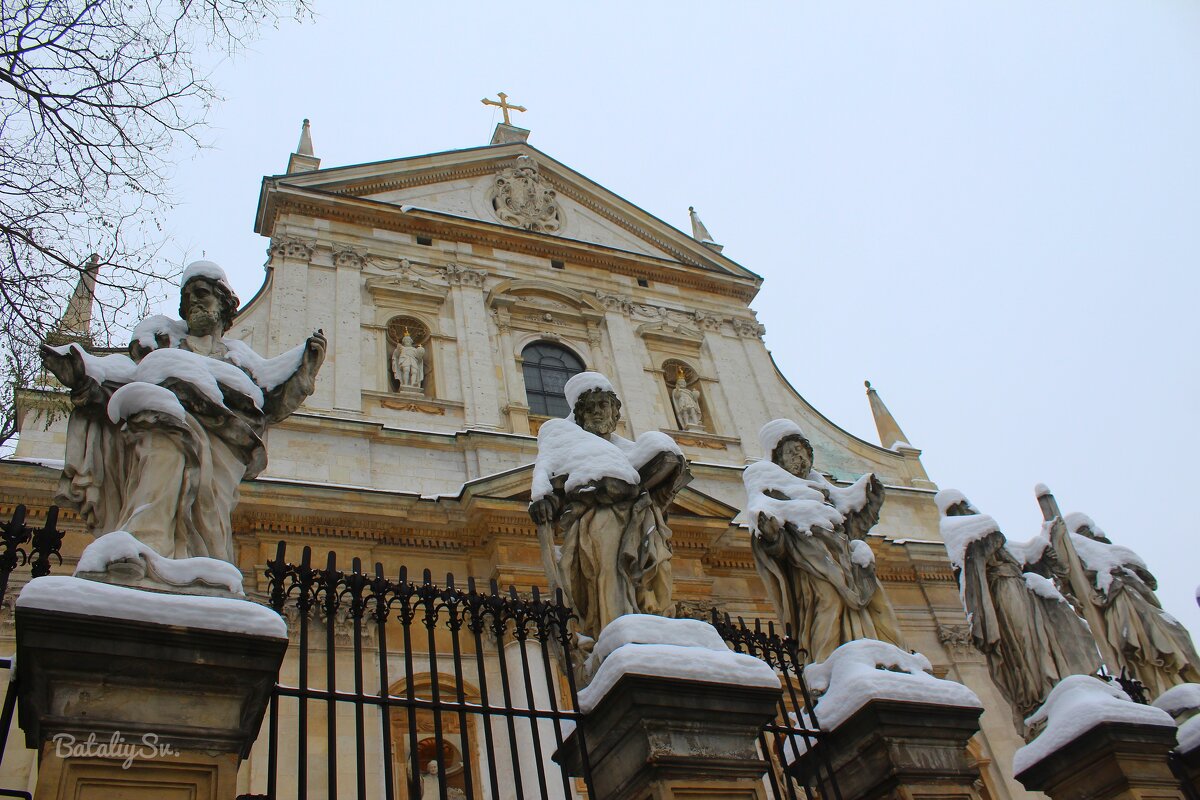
(1156, 647)
(172, 484)
(615, 557)
(812, 578)
(1031, 641)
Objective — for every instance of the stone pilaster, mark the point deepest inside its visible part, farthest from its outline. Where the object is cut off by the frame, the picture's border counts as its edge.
(347, 333)
(629, 375)
(477, 371)
(668, 739)
(290, 257)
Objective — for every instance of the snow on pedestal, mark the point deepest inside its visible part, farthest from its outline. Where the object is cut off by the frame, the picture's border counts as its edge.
(120, 547)
(90, 598)
(1183, 704)
(685, 649)
(1076, 705)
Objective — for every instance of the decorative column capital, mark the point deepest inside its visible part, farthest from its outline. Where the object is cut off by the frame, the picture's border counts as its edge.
(748, 328)
(292, 247)
(617, 303)
(346, 257)
(458, 275)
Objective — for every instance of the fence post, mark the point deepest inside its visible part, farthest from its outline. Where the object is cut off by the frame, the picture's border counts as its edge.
(140, 694)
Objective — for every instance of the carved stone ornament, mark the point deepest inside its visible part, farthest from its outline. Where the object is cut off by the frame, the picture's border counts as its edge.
(292, 247)
(956, 638)
(348, 257)
(748, 328)
(457, 275)
(707, 322)
(521, 197)
(620, 303)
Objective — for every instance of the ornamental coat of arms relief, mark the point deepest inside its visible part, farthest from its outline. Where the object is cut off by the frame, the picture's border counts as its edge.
(521, 197)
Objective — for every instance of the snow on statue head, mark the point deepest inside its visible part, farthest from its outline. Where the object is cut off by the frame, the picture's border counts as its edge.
(595, 406)
(797, 459)
(201, 279)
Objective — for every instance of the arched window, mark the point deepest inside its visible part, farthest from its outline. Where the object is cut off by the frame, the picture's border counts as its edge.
(547, 369)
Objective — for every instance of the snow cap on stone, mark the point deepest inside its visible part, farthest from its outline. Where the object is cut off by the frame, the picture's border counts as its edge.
(950, 497)
(776, 431)
(584, 382)
(204, 269)
(136, 397)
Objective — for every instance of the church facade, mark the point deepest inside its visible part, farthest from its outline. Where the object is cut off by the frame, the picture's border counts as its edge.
(458, 291)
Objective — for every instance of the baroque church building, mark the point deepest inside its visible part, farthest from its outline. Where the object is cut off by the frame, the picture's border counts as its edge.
(458, 292)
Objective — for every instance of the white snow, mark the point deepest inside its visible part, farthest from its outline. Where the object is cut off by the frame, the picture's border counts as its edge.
(268, 372)
(1076, 705)
(806, 509)
(866, 669)
(774, 431)
(1076, 520)
(1105, 559)
(896, 445)
(1043, 587)
(116, 367)
(204, 269)
(646, 447)
(583, 383)
(950, 497)
(959, 532)
(861, 554)
(1189, 735)
(564, 448)
(176, 330)
(122, 546)
(1030, 552)
(1041, 490)
(201, 372)
(134, 397)
(78, 596)
(1179, 699)
(684, 649)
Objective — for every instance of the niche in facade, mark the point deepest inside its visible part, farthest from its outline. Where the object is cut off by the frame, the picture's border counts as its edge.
(410, 361)
(687, 400)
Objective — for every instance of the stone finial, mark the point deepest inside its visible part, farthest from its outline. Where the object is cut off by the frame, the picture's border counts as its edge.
(75, 324)
(890, 435)
(303, 159)
(700, 233)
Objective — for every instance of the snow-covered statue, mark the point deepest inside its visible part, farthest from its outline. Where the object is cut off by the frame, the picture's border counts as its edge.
(608, 497)
(687, 404)
(809, 545)
(158, 441)
(1019, 620)
(408, 363)
(1151, 643)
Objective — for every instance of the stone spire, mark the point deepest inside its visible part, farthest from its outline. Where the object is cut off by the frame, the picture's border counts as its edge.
(700, 233)
(75, 325)
(890, 434)
(303, 159)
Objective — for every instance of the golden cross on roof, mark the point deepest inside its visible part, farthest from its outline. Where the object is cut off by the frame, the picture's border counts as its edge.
(503, 106)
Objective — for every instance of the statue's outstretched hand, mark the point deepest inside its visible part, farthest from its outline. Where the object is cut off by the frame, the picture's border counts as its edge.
(67, 367)
(314, 349)
(769, 527)
(542, 511)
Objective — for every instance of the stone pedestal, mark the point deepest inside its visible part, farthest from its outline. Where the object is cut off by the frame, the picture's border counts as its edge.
(897, 750)
(671, 739)
(132, 709)
(1187, 769)
(1111, 761)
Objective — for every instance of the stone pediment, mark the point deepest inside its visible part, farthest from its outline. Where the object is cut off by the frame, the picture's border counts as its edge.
(511, 186)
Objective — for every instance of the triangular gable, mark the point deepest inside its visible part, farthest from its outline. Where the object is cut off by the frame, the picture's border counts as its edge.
(462, 184)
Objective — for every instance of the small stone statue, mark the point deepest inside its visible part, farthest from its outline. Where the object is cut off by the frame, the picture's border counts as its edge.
(609, 497)
(687, 404)
(159, 441)
(408, 363)
(809, 546)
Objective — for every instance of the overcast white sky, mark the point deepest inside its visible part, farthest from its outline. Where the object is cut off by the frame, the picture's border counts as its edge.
(988, 209)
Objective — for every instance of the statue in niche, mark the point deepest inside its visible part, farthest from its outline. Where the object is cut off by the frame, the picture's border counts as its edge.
(609, 497)
(1019, 620)
(408, 363)
(809, 546)
(1152, 644)
(687, 404)
(158, 441)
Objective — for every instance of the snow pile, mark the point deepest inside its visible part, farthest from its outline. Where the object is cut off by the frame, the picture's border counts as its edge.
(1030, 552)
(951, 497)
(581, 384)
(1104, 559)
(201, 372)
(267, 372)
(647, 446)
(806, 507)
(135, 397)
(866, 669)
(204, 269)
(564, 448)
(1183, 704)
(115, 368)
(861, 554)
(1076, 705)
(959, 532)
(1042, 587)
(640, 644)
(77, 596)
(122, 546)
(1077, 520)
(148, 330)
(771, 434)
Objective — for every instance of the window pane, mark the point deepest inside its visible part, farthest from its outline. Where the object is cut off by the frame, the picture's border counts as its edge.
(547, 369)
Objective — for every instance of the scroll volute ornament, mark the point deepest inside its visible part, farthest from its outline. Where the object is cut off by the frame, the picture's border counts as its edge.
(522, 197)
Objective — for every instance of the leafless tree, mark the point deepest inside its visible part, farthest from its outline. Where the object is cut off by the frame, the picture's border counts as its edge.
(95, 97)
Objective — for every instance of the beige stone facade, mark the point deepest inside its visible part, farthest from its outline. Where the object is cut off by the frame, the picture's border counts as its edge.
(439, 478)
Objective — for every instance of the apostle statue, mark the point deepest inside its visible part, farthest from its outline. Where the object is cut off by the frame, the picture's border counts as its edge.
(608, 497)
(1026, 628)
(1146, 640)
(810, 549)
(687, 404)
(159, 440)
(408, 363)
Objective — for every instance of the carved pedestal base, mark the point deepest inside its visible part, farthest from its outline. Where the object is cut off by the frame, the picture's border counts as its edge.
(671, 739)
(890, 749)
